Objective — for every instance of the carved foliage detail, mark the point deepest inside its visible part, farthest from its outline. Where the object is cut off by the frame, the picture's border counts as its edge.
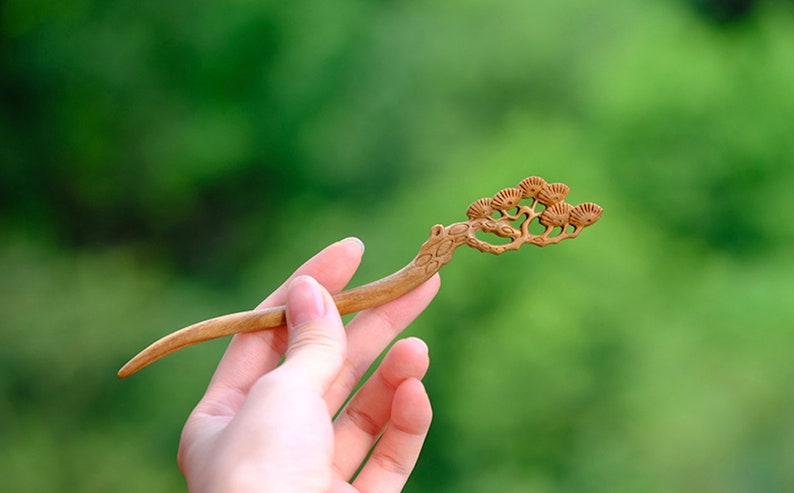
(585, 214)
(532, 186)
(480, 209)
(507, 199)
(557, 215)
(505, 216)
(553, 193)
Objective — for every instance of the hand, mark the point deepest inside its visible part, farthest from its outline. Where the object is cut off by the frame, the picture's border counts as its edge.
(262, 426)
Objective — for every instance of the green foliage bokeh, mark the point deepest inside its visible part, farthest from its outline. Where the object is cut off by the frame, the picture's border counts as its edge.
(167, 162)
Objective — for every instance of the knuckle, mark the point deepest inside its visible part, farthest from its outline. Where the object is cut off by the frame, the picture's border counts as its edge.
(363, 421)
(391, 463)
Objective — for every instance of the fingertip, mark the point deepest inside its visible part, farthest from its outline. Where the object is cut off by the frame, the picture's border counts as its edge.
(355, 241)
(428, 289)
(412, 387)
(416, 350)
(316, 338)
(435, 281)
(417, 344)
(332, 267)
(411, 408)
(408, 358)
(352, 248)
(305, 301)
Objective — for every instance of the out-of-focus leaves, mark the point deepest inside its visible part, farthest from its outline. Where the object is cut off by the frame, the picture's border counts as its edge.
(163, 163)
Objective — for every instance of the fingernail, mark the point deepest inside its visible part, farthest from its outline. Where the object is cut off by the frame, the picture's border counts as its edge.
(304, 301)
(357, 240)
(421, 343)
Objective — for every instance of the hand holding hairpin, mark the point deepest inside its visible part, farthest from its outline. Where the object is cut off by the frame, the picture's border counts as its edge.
(502, 215)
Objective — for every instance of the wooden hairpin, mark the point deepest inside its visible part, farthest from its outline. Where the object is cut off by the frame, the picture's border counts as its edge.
(502, 215)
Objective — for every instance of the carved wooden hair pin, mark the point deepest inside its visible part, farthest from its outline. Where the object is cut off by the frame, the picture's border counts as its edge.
(502, 215)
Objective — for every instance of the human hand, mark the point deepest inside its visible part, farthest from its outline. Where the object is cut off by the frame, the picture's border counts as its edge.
(262, 426)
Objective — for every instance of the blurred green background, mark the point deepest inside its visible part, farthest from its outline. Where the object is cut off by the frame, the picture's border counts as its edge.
(164, 162)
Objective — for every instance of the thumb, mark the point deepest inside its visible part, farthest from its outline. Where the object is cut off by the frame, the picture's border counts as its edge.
(317, 342)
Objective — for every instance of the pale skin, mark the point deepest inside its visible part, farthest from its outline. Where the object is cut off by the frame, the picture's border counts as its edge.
(268, 425)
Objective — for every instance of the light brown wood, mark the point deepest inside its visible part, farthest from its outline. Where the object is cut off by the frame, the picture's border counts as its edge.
(502, 215)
